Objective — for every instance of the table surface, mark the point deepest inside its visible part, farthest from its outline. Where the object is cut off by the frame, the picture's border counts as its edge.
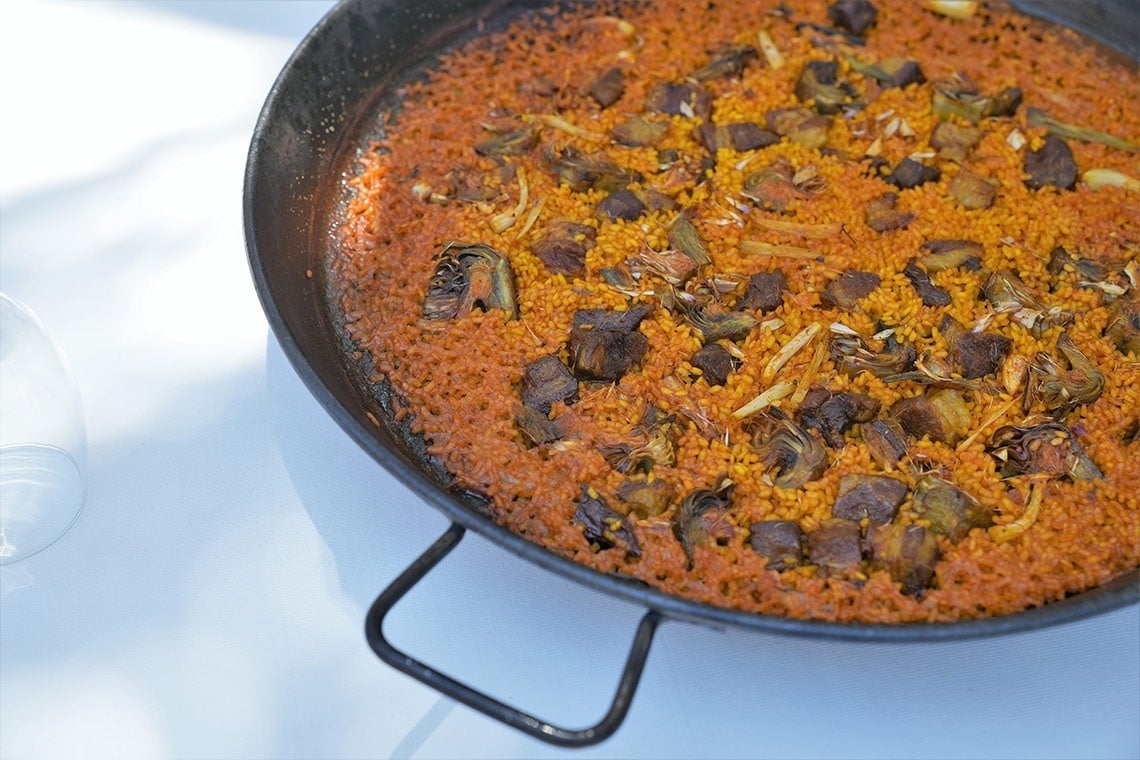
(209, 601)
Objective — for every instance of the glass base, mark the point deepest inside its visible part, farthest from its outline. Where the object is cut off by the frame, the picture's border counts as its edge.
(41, 494)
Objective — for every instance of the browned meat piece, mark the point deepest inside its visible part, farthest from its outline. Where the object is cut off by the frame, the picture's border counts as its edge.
(741, 136)
(603, 527)
(1053, 165)
(954, 141)
(607, 88)
(834, 547)
(876, 497)
(546, 380)
(620, 205)
(686, 99)
(856, 16)
(931, 294)
(882, 216)
(802, 126)
(845, 290)
(563, 247)
(833, 414)
(886, 441)
(972, 191)
(941, 415)
(781, 541)
(902, 71)
(910, 173)
(605, 354)
(715, 363)
(951, 254)
(536, 426)
(765, 291)
(908, 552)
(1005, 103)
(979, 354)
(604, 344)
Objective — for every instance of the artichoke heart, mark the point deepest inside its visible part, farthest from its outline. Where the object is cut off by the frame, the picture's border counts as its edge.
(795, 455)
(470, 276)
(1048, 448)
(1064, 389)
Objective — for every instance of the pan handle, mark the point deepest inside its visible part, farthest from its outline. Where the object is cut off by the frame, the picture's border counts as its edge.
(623, 698)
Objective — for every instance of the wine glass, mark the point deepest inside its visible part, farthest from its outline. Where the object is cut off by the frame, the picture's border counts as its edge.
(43, 444)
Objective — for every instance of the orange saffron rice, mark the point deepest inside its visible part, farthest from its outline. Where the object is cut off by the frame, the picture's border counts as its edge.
(828, 311)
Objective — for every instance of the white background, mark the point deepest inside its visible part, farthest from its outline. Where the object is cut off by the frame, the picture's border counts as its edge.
(209, 601)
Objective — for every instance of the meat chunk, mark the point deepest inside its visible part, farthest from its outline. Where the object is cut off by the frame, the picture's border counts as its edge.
(833, 414)
(910, 173)
(781, 541)
(902, 71)
(646, 498)
(941, 415)
(845, 290)
(953, 141)
(715, 363)
(834, 547)
(744, 135)
(876, 497)
(1053, 165)
(604, 344)
(886, 441)
(882, 216)
(563, 248)
(802, 126)
(603, 527)
(622, 204)
(686, 99)
(856, 16)
(545, 381)
(931, 294)
(972, 191)
(908, 552)
(639, 132)
(979, 354)
(765, 291)
(607, 88)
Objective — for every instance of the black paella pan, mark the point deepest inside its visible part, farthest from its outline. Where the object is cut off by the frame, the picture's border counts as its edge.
(322, 104)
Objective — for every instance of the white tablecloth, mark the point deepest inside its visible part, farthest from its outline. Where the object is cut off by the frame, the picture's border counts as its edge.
(209, 601)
